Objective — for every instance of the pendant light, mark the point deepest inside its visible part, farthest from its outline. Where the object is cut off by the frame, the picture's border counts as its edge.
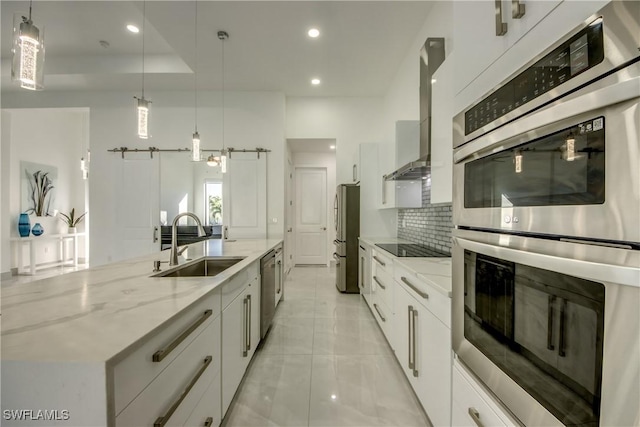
(195, 141)
(223, 35)
(27, 65)
(143, 104)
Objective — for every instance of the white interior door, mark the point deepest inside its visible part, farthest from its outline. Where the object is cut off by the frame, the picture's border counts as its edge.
(244, 200)
(139, 207)
(311, 216)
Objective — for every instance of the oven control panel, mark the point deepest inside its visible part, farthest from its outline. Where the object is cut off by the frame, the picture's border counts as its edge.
(578, 54)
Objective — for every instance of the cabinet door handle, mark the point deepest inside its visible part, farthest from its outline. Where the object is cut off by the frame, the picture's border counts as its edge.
(161, 421)
(550, 346)
(379, 283)
(384, 190)
(378, 261)
(517, 9)
(208, 422)
(249, 324)
(355, 173)
(563, 307)
(155, 234)
(501, 27)
(279, 276)
(245, 347)
(415, 319)
(409, 340)
(225, 232)
(475, 416)
(412, 286)
(361, 284)
(161, 354)
(379, 314)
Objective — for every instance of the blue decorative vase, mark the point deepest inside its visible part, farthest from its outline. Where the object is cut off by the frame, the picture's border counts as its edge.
(24, 226)
(37, 229)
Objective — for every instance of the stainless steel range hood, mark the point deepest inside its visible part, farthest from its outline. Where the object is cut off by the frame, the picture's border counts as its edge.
(431, 57)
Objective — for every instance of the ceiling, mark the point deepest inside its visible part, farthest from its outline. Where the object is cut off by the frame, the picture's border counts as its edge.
(360, 47)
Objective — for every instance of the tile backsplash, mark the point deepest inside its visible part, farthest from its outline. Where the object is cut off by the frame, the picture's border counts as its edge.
(430, 225)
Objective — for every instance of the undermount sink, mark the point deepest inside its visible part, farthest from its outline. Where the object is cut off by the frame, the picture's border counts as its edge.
(204, 267)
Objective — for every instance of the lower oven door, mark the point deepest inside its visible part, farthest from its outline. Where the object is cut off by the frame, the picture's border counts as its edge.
(551, 327)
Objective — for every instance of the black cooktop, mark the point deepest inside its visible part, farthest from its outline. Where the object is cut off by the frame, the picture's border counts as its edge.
(412, 250)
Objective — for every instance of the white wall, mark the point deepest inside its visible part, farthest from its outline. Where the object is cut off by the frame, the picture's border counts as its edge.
(5, 150)
(252, 119)
(351, 122)
(328, 161)
(52, 137)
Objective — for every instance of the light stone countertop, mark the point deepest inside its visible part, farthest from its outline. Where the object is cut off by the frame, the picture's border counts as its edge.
(96, 315)
(434, 271)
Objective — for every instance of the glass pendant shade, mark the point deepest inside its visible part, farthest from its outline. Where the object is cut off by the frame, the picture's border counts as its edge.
(143, 118)
(195, 147)
(27, 66)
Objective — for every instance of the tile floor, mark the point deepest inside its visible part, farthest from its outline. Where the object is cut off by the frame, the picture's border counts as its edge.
(324, 362)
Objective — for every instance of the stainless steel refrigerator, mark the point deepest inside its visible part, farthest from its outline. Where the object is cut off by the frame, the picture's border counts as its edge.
(346, 208)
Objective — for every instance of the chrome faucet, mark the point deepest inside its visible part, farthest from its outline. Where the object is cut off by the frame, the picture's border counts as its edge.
(173, 257)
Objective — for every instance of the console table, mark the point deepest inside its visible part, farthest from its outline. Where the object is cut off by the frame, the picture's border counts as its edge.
(65, 257)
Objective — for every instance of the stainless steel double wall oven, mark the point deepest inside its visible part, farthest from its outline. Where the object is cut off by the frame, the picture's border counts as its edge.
(546, 254)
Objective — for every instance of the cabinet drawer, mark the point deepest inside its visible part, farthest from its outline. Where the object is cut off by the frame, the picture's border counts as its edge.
(384, 316)
(233, 287)
(471, 401)
(137, 370)
(188, 368)
(380, 260)
(207, 411)
(382, 283)
(433, 300)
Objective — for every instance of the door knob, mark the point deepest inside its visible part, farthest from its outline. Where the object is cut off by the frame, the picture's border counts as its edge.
(289, 230)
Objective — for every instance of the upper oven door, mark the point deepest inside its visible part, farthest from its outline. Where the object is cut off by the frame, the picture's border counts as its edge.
(551, 327)
(559, 171)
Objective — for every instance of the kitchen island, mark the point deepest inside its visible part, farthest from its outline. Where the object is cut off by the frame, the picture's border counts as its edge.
(81, 345)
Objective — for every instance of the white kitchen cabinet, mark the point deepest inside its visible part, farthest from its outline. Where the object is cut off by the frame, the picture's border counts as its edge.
(472, 405)
(240, 337)
(480, 66)
(207, 412)
(476, 43)
(382, 288)
(183, 383)
(424, 351)
(364, 269)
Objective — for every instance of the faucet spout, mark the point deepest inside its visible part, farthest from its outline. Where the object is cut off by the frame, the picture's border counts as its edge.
(173, 257)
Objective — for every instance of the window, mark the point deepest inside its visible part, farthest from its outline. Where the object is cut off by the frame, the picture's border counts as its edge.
(213, 202)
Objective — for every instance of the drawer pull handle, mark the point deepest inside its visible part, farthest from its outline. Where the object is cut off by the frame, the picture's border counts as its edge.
(245, 327)
(501, 27)
(159, 355)
(161, 421)
(475, 416)
(208, 422)
(379, 314)
(412, 286)
(378, 260)
(413, 338)
(249, 324)
(410, 353)
(379, 283)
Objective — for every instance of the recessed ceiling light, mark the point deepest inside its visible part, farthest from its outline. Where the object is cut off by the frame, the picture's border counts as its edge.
(315, 82)
(133, 28)
(313, 33)
(332, 147)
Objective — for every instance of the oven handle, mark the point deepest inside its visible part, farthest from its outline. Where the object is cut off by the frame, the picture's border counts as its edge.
(591, 101)
(574, 267)
(552, 299)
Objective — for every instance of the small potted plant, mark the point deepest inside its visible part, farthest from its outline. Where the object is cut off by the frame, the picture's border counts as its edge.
(71, 220)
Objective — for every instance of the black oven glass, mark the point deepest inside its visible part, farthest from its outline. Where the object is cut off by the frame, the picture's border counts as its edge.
(578, 54)
(543, 329)
(563, 168)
